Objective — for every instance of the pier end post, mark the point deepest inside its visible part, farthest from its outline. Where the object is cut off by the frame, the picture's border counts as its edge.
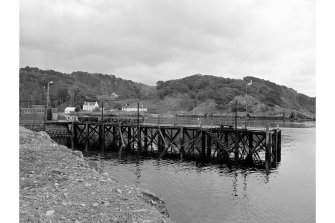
(274, 148)
(267, 148)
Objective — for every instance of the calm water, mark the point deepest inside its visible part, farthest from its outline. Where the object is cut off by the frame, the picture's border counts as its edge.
(218, 194)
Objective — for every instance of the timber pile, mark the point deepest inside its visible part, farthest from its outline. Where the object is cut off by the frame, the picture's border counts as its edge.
(58, 185)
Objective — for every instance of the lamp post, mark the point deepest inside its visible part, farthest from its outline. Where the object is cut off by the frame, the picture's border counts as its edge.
(246, 92)
(48, 98)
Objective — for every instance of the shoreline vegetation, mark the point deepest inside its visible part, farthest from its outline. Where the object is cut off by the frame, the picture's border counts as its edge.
(58, 185)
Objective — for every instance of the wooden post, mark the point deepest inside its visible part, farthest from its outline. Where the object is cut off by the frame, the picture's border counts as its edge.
(102, 111)
(87, 137)
(114, 136)
(99, 135)
(164, 145)
(236, 147)
(203, 145)
(182, 139)
(129, 138)
(279, 146)
(160, 142)
(139, 143)
(209, 145)
(73, 138)
(138, 114)
(235, 115)
(274, 148)
(249, 156)
(251, 142)
(267, 149)
(145, 138)
(159, 139)
(121, 140)
(102, 128)
(225, 140)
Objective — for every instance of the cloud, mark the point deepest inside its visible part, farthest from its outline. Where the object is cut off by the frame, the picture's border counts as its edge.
(151, 40)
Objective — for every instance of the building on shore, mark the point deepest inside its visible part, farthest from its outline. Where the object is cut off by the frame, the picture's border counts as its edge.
(69, 110)
(90, 106)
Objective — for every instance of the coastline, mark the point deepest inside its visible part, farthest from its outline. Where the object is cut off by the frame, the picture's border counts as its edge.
(58, 185)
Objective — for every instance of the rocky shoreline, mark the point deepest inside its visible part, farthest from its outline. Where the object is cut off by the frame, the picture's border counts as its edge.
(58, 185)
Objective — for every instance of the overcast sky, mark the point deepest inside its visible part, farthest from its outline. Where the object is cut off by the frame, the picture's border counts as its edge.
(151, 40)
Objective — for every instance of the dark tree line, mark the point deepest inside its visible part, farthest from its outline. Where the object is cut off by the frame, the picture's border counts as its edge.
(73, 89)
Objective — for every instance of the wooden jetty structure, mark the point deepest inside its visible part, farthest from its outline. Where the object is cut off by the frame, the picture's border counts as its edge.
(223, 144)
(220, 144)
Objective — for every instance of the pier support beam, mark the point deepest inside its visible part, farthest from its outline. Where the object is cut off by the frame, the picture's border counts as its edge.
(73, 136)
(139, 143)
(145, 139)
(279, 146)
(274, 148)
(182, 139)
(267, 149)
(129, 138)
(236, 147)
(249, 159)
(209, 148)
(203, 145)
(114, 138)
(87, 144)
(102, 137)
(160, 142)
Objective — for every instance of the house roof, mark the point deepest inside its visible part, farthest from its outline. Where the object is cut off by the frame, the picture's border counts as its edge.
(69, 108)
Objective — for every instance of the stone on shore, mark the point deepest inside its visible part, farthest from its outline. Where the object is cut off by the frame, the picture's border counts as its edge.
(57, 184)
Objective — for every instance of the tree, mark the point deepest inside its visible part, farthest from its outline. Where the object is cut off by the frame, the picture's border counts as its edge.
(62, 94)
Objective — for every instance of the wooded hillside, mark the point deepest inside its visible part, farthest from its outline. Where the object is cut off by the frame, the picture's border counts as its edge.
(262, 95)
(73, 89)
(196, 94)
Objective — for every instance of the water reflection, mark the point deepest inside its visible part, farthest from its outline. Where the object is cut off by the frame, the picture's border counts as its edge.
(195, 192)
(137, 164)
(235, 185)
(138, 172)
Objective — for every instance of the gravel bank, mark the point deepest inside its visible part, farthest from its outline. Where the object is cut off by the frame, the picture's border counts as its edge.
(58, 185)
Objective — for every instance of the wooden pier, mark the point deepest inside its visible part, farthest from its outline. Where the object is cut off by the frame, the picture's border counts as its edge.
(216, 145)
(225, 144)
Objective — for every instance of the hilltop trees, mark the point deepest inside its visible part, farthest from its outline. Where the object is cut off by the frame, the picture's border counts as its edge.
(201, 88)
(73, 89)
(188, 94)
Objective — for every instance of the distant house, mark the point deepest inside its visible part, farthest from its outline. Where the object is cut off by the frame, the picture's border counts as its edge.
(89, 106)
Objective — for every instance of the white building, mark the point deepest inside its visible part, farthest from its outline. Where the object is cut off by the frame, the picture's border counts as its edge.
(69, 110)
(89, 106)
